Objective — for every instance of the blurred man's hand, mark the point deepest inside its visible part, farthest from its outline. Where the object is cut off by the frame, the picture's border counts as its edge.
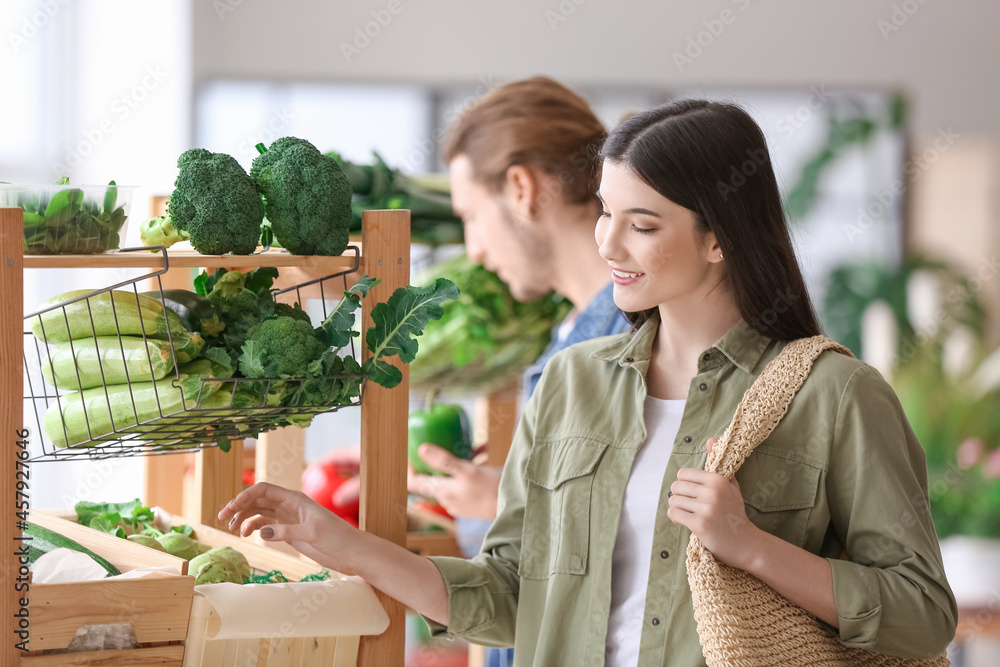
(471, 490)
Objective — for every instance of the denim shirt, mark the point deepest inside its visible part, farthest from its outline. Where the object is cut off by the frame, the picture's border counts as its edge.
(842, 472)
(601, 317)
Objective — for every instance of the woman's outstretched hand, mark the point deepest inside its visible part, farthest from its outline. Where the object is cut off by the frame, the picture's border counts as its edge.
(290, 516)
(712, 508)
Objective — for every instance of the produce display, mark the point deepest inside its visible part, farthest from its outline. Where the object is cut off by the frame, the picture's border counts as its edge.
(255, 364)
(307, 195)
(221, 209)
(69, 220)
(485, 339)
(427, 196)
(320, 481)
(446, 426)
(44, 540)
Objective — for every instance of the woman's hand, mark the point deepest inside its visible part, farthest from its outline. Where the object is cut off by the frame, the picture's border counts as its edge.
(290, 516)
(470, 491)
(712, 508)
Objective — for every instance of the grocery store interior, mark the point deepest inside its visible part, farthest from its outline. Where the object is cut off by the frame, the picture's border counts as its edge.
(882, 121)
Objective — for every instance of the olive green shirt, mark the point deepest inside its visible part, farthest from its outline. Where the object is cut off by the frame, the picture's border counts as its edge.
(841, 472)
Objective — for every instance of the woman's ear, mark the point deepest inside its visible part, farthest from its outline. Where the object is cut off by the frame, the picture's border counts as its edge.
(713, 251)
(521, 191)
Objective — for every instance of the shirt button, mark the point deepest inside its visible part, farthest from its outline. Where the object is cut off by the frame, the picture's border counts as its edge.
(664, 554)
(706, 357)
(687, 438)
(629, 360)
(703, 386)
(656, 621)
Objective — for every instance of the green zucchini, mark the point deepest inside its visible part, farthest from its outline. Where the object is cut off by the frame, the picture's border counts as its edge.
(125, 359)
(44, 540)
(86, 416)
(113, 313)
(195, 312)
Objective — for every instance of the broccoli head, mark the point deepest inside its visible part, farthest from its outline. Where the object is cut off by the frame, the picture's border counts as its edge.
(291, 310)
(280, 347)
(216, 204)
(161, 231)
(308, 197)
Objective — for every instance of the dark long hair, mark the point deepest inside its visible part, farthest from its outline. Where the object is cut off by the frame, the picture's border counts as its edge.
(712, 159)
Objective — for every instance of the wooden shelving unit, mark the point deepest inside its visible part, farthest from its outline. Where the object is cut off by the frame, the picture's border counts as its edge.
(385, 255)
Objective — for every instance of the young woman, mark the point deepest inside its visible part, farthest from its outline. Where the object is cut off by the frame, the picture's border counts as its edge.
(604, 485)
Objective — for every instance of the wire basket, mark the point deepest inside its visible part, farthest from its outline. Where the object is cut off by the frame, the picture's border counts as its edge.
(136, 401)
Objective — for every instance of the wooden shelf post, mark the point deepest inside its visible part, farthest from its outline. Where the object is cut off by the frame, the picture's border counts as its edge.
(11, 417)
(386, 240)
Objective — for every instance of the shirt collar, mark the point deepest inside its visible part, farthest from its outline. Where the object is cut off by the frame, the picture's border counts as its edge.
(742, 345)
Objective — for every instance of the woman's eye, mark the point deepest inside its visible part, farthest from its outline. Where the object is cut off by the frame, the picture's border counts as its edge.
(642, 231)
(603, 214)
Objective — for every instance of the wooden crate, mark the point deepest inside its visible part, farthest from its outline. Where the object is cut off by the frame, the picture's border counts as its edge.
(158, 606)
(201, 651)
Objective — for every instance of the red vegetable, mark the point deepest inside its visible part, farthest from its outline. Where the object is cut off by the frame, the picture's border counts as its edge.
(320, 480)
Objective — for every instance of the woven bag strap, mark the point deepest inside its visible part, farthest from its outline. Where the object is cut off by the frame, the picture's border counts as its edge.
(766, 402)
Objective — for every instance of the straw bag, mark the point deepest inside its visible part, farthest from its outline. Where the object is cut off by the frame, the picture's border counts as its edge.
(742, 622)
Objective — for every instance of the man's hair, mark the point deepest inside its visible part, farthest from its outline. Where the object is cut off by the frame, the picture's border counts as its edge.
(536, 123)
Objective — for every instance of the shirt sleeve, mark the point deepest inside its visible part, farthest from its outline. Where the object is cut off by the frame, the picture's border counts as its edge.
(891, 594)
(483, 591)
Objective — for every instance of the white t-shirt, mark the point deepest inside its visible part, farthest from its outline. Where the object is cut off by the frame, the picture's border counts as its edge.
(634, 544)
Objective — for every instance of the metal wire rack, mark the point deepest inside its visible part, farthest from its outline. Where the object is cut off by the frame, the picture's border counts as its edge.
(104, 374)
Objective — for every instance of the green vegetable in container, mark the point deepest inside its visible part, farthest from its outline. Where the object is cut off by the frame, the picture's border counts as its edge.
(68, 221)
(112, 313)
(307, 195)
(146, 541)
(82, 416)
(182, 546)
(216, 204)
(107, 360)
(161, 230)
(44, 540)
(195, 312)
(219, 565)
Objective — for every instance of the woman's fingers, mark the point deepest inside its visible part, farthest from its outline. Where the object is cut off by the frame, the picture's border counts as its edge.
(255, 523)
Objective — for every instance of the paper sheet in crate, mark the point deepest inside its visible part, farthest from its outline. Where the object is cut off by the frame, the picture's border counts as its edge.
(333, 608)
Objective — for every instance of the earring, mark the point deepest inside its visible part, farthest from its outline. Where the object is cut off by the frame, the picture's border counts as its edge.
(721, 256)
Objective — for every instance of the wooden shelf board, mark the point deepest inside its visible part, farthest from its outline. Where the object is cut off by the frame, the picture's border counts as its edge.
(186, 258)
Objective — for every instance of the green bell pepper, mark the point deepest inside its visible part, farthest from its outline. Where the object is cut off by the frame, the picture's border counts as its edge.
(444, 425)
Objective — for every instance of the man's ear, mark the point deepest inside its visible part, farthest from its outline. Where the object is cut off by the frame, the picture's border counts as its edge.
(521, 191)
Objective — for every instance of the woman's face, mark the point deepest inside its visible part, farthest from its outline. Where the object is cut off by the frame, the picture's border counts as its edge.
(493, 237)
(655, 256)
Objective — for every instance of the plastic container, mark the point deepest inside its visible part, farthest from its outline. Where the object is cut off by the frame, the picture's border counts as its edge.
(68, 219)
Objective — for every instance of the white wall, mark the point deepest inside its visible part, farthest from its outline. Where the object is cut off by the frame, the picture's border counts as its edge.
(945, 53)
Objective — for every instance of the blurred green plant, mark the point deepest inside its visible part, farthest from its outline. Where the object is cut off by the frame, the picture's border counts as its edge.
(945, 377)
(427, 196)
(851, 127)
(486, 338)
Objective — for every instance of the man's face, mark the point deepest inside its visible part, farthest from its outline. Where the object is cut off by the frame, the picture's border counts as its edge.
(495, 239)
